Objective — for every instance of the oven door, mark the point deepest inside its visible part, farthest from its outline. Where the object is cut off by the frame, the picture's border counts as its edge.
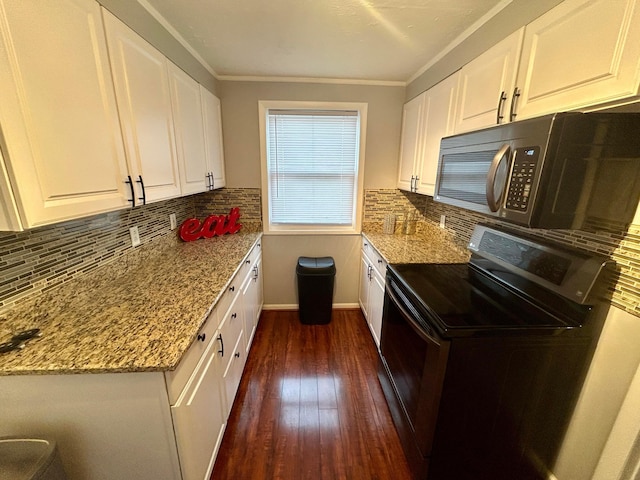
(415, 360)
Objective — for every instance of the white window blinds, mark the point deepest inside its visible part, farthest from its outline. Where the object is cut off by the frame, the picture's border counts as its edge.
(312, 166)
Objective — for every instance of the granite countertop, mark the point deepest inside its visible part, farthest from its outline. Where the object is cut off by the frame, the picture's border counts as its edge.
(134, 315)
(430, 245)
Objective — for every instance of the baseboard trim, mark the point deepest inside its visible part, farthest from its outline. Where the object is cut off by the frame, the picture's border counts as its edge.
(294, 306)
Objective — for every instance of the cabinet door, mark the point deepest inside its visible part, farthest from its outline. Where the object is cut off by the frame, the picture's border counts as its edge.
(410, 142)
(199, 417)
(580, 53)
(58, 115)
(376, 304)
(365, 270)
(142, 91)
(252, 300)
(189, 128)
(213, 137)
(486, 85)
(438, 121)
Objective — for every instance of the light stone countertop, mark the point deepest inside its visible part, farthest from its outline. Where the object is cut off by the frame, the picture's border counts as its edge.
(430, 245)
(133, 315)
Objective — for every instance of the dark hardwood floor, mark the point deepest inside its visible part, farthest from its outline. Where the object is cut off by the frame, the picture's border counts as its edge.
(309, 406)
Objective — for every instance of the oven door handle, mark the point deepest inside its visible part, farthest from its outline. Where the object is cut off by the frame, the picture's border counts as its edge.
(416, 327)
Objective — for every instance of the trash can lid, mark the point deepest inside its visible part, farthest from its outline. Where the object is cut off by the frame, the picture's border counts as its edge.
(316, 266)
(24, 458)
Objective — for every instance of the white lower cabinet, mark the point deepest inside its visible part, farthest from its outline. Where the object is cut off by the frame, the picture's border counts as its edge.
(372, 283)
(199, 416)
(252, 297)
(201, 410)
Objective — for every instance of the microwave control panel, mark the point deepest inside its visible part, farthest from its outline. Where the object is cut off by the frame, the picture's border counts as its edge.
(525, 160)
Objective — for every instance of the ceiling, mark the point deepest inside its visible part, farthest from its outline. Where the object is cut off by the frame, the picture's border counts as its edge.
(373, 40)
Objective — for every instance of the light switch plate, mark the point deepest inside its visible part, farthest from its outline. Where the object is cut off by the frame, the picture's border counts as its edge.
(172, 221)
(135, 236)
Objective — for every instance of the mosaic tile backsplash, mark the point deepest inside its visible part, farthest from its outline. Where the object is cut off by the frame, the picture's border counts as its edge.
(622, 246)
(42, 258)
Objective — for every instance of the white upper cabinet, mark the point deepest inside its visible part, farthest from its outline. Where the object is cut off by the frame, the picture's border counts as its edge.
(426, 119)
(438, 121)
(212, 114)
(486, 85)
(189, 127)
(410, 142)
(63, 149)
(142, 92)
(579, 54)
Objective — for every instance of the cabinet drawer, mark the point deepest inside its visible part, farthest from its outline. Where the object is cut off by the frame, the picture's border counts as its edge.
(230, 293)
(375, 259)
(366, 246)
(233, 371)
(177, 379)
(378, 262)
(249, 262)
(232, 323)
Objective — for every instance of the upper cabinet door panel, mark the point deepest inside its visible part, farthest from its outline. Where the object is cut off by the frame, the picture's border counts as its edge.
(189, 127)
(486, 85)
(438, 121)
(58, 113)
(142, 90)
(410, 141)
(581, 53)
(212, 114)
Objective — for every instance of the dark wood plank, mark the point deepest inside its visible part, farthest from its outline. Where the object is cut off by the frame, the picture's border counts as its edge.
(309, 406)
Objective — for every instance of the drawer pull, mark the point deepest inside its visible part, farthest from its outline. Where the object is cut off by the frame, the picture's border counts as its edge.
(221, 351)
(379, 261)
(232, 288)
(247, 261)
(237, 355)
(202, 336)
(234, 315)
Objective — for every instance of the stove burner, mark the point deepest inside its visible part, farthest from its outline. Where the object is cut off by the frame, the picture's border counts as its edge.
(17, 341)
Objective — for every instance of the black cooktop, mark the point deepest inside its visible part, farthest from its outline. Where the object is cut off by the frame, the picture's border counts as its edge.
(462, 300)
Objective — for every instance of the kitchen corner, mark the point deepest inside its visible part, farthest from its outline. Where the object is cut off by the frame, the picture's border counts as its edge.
(138, 313)
(429, 244)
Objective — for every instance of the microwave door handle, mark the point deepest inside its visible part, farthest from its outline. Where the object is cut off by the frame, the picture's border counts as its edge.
(492, 201)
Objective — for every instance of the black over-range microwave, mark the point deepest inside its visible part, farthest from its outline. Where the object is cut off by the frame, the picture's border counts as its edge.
(566, 170)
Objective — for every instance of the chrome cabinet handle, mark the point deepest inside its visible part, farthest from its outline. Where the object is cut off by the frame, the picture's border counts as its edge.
(411, 187)
(129, 182)
(415, 184)
(213, 182)
(512, 110)
(492, 201)
(144, 195)
(501, 102)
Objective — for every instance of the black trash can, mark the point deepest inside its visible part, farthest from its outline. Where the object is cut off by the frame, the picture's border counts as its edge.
(315, 289)
(30, 459)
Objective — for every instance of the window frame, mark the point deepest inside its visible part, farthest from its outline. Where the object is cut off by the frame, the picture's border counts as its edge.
(298, 229)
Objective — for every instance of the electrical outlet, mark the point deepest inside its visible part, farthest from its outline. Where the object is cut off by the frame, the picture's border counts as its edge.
(172, 221)
(442, 220)
(135, 236)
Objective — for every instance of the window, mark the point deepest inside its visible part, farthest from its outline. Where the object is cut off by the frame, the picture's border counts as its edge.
(312, 166)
